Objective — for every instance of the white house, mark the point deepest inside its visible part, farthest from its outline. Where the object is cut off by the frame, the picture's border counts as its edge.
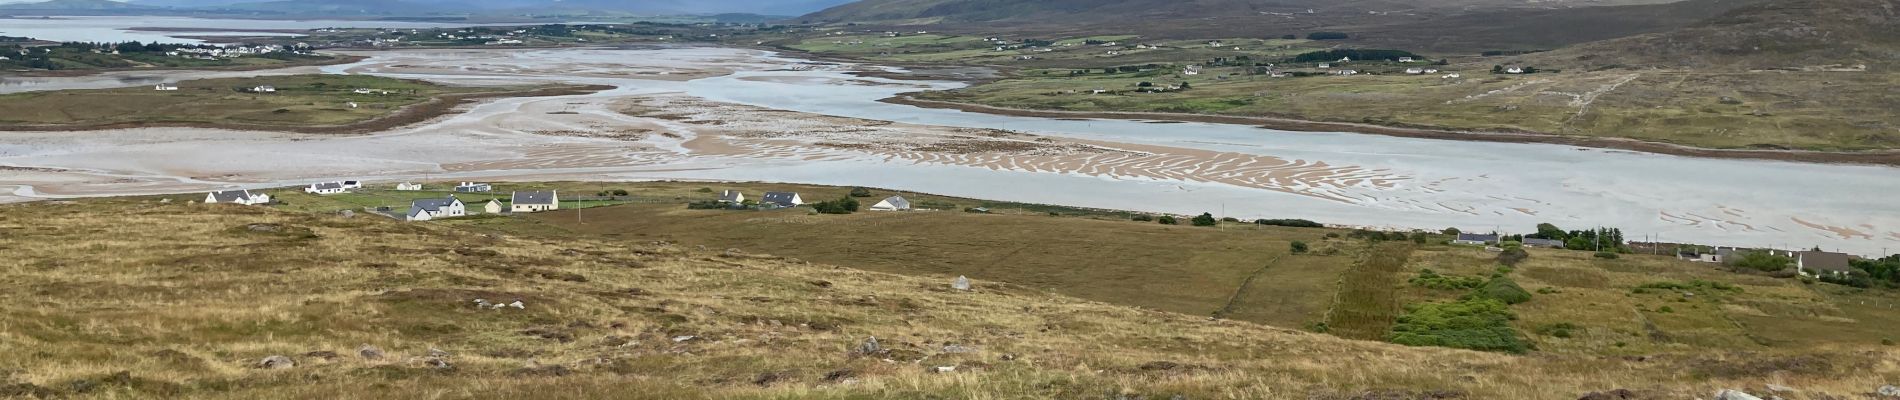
(1346, 72)
(165, 87)
(1191, 70)
(527, 202)
(1514, 70)
(1475, 239)
(493, 207)
(244, 197)
(1818, 263)
(1431, 70)
(1406, 59)
(428, 209)
(782, 199)
(352, 184)
(265, 89)
(893, 203)
(1325, 65)
(325, 188)
(1453, 76)
(469, 187)
(1415, 71)
(408, 186)
(731, 196)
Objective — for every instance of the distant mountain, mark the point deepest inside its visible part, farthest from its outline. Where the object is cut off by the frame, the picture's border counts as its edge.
(333, 7)
(1770, 34)
(75, 5)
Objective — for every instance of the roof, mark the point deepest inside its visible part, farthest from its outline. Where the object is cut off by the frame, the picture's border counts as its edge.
(1473, 237)
(431, 205)
(1823, 260)
(328, 185)
(730, 195)
(231, 195)
(897, 201)
(783, 198)
(1544, 242)
(534, 198)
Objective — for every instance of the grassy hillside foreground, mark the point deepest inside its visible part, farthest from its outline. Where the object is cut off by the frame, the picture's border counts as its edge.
(136, 298)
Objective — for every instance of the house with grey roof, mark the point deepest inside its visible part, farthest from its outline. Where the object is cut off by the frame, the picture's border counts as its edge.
(536, 201)
(429, 209)
(1475, 239)
(782, 199)
(1544, 243)
(473, 187)
(893, 203)
(325, 188)
(1818, 263)
(244, 197)
(732, 197)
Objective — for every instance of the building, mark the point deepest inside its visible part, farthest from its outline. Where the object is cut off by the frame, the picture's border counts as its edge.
(244, 197)
(1415, 71)
(165, 87)
(1475, 239)
(325, 188)
(782, 199)
(1453, 76)
(1191, 70)
(408, 186)
(471, 187)
(1544, 243)
(493, 207)
(1817, 263)
(428, 209)
(893, 203)
(1514, 70)
(264, 89)
(731, 196)
(528, 202)
(1406, 59)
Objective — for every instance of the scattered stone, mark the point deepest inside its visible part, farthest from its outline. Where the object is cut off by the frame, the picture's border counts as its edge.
(766, 379)
(437, 363)
(1731, 394)
(839, 375)
(483, 304)
(1618, 394)
(957, 349)
(346, 214)
(1888, 391)
(821, 283)
(870, 346)
(164, 201)
(962, 283)
(944, 369)
(1159, 366)
(615, 341)
(684, 338)
(326, 355)
(370, 352)
(276, 362)
(517, 305)
(437, 353)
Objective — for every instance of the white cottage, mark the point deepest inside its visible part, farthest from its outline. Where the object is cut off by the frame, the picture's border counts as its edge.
(165, 87)
(528, 202)
(408, 186)
(244, 197)
(782, 199)
(429, 209)
(325, 188)
(893, 203)
(731, 196)
(493, 207)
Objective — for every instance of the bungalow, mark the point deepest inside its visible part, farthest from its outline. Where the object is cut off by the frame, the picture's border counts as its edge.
(1817, 263)
(1346, 72)
(362, 91)
(165, 87)
(782, 199)
(1544, 243)
(1475, 239)
(1406, 59)
(264, 89)
(1191, 70)
(527, 202)
(493, 207)
(352, 184)
(428, 209)
(1325, 65)
(325, 188)
(408, 186)
(1431, 70)
(471, 187)
(244, 197)
(1453, 76)
(1415, 71)
(1514, 70)
(731, 197)
(893, 203)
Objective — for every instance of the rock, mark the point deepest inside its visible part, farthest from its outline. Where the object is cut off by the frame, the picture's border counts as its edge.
(437, 363)
(944, 369)
(683, 338)
(962, 283)
(370, 352)
(957, 349)
(264, 227)
(1618, 394)
(346, 214)
(1888, 391)
(1732, 394)
(870, 346)
(1178, 397)
(483, 304)
(517, 305)
(1009, 357)
(276, 362)
(164, 201)
(437, 353)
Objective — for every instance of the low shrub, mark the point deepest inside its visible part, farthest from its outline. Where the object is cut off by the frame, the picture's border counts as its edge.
(1476, 324)
(1142, 218)
(1167, 220)
(1298, 247)
(1432, 280)
(1502, 289)
(1606, 255)
(1560, 329)
(1296, 223)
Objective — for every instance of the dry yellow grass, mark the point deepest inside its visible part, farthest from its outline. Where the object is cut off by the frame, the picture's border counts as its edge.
(185, 299)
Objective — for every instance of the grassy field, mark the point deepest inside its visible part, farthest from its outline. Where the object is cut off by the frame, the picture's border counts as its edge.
(300, 100)
(77, 59)
(132, 298)
(1366, 302)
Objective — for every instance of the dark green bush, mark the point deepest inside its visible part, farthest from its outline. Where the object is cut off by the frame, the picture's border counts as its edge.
(1296, 223)
(1205, 219)
(1167, 220)
(1513, 255)
(1431, 279)
(1143, 217)
(1298, 247)
(860, 192)
(1476, 324)
(1503, 289)
(1561, 329)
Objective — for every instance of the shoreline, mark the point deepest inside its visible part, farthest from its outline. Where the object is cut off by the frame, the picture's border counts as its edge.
(1888, 158)
(409, 115)
(339, 59)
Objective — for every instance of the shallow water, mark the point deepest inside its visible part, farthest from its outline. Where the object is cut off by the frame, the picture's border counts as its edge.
(1365, 180)
(114, 29)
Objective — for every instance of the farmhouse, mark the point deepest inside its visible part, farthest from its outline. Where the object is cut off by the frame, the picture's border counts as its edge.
(165, 87)
(471, 187)
(244, 197)
(428, 209)
(782, 199)
(893, 203)
(731, 196)
(1475, 239)
(325, 188)
(527, 202)
(1817, 263)
(408, 186)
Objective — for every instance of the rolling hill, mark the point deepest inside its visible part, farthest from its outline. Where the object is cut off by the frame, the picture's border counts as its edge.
(1779, 34)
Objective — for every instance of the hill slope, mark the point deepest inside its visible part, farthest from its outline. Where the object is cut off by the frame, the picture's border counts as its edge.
(135, 298)
(1772, 34)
